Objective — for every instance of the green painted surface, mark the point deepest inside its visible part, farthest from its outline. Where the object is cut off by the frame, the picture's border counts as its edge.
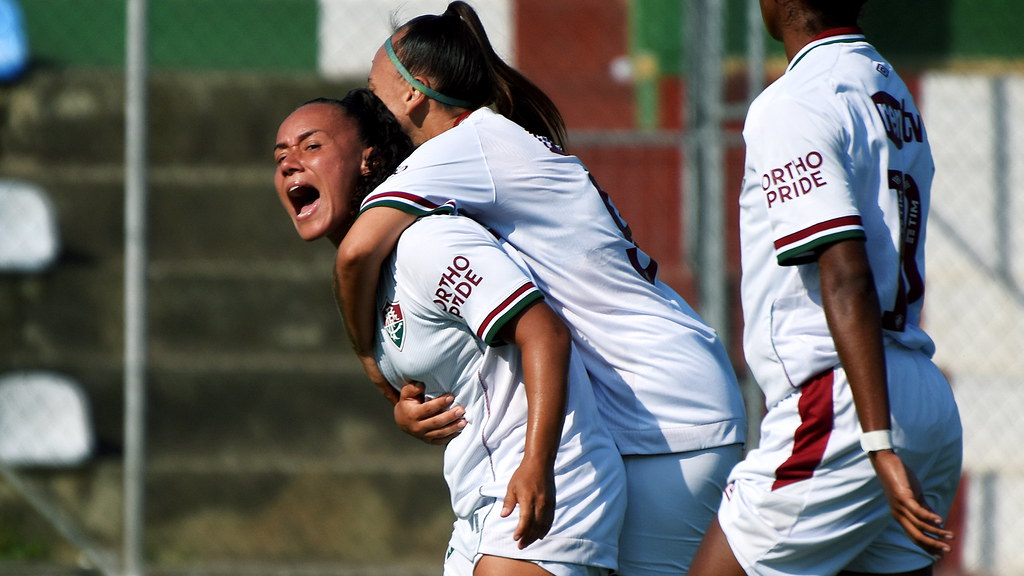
(196, 34)
(75, 32)
(918, 33)
(282, 34)
(986, 28)
(930, 31)
(655, 30)
(918, 30)
(235, 34)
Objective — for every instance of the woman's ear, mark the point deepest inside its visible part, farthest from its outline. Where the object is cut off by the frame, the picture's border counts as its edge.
(414, 98)
(364, 164)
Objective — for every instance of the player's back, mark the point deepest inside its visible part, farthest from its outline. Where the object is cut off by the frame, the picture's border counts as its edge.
(643, 342)
(835, 149)
(663, 379)
(891, 170)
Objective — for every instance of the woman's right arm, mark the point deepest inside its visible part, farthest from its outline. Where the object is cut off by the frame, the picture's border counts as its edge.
(360, 256)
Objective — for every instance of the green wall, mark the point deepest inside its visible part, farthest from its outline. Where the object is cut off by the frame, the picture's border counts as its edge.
(205, 34)
(926, 31)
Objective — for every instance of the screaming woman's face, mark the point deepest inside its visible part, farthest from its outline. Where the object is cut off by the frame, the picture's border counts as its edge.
(319, 159)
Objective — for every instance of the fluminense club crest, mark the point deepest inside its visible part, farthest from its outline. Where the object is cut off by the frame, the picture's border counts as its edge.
(394, 323)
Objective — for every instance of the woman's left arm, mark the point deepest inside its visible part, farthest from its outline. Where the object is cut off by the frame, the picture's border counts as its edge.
(546, 345)
(854, 315)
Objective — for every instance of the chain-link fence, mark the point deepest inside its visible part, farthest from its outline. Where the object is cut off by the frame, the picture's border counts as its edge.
(263, 449)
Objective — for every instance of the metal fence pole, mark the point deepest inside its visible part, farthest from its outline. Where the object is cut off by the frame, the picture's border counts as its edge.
(135, 286)
(705, 159)
(755, 50)
(755, 84)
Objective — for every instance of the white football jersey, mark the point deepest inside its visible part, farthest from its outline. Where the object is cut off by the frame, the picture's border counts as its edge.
(662, 377)
(444, 294)
(836, 149)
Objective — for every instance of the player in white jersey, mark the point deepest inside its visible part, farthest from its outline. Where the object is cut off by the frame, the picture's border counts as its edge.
(461, 315)
(832, 226)
(631, 327)
(662, 378)
(447, 298)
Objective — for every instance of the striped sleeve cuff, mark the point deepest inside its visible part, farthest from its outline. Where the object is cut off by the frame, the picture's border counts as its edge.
(803, 246)
(408, 203)
(508, 309)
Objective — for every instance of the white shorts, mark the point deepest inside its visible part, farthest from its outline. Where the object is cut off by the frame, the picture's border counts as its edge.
(807, 501)
(583, 540)
(671, 500)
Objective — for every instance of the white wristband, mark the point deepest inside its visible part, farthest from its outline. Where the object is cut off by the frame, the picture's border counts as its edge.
(876, 440)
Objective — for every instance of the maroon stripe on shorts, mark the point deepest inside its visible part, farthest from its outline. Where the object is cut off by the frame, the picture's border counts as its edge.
(811, 437)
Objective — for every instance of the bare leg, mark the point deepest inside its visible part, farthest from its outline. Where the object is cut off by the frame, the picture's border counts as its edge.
(926, 571)
(715, 557)
(500, 566)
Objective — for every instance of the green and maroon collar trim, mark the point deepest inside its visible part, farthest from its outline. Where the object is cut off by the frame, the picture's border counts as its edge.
(846, 35)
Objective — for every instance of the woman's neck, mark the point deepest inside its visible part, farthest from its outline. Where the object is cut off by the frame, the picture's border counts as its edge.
(435, 123)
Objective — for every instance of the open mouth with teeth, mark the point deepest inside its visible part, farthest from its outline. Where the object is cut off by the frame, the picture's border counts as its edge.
(305, 199)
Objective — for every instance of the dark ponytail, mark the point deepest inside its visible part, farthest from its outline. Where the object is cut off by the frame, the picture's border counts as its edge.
(453, 51)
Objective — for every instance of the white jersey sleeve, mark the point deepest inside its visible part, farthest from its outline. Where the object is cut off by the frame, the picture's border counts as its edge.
(445, 175)
(444, 295)
(805, 182)
(466, 273)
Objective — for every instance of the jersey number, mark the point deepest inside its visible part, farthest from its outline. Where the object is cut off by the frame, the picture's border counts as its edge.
(649, 272)
(911, 285)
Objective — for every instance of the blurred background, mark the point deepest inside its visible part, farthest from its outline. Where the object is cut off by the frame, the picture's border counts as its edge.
(177, 395)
